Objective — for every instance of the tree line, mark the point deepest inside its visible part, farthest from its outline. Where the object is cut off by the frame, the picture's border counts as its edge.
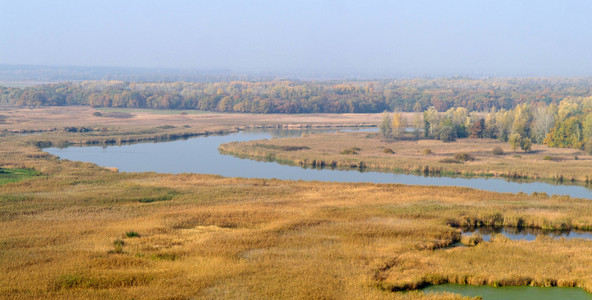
(567, 124)
(306, 96)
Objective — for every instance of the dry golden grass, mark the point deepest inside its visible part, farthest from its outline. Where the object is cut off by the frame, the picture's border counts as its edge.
(203, 236)
(66, 116)
(410, 156)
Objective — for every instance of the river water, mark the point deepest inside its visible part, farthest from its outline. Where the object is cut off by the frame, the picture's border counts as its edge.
(201, 155)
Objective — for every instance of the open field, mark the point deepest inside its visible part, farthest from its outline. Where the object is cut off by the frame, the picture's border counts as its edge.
(410, 156)
(46, 118)
(83, 231)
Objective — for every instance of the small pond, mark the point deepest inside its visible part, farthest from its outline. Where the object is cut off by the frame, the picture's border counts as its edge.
(511, 292)
(201, 155)
(528, 234)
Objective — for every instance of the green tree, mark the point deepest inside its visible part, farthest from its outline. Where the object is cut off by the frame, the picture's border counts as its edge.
(447, 134)
(526, 144)
(514, 141)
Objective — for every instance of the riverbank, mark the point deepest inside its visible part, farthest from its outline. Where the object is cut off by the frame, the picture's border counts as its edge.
(367, 151)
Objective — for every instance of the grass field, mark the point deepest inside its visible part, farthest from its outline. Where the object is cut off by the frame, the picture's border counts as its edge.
(83, 231)
(410, 156)
(13, 175)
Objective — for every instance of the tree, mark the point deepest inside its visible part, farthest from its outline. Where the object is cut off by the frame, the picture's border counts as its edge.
(431, 120)
(476, 130)
(587, 133)
(399, 125)
(522, 120)
(514, 141)
(566, 134)
(525, 144)
(417, 124)
(543, 121)
(447, 134)
(503, 124)
(386, 128)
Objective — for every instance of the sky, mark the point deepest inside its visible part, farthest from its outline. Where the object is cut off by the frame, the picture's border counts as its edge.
(368, 38)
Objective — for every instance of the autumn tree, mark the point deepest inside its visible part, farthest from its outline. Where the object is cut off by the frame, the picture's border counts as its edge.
(417, 124)
(543, 120)
(431, 120)
(399, 124)
(386, 128)
(566, 134)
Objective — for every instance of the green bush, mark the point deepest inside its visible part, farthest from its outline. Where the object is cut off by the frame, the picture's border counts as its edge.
(132, 234)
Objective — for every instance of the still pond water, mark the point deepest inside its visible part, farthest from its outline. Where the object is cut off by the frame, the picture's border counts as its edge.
(200, 155)
(511, 292)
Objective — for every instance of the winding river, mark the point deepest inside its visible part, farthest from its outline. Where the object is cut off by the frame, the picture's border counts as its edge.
(201, 155)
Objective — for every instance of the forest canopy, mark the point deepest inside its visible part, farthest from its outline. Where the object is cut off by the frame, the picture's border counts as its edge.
(306, 96)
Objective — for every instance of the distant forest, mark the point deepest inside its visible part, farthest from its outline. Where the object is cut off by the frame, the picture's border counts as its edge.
(306, 96)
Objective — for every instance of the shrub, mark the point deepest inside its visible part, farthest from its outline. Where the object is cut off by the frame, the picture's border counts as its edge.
(547, 158)
(183, 113)
(497, 151)
(118, 246)
(450, 161)
(353, 150)
(132, 234)
(388, 151)
(463, 156)
(471, 240)
(97, 114)
(427, 151)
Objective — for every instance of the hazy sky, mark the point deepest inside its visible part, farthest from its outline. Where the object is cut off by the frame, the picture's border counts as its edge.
(401, 38)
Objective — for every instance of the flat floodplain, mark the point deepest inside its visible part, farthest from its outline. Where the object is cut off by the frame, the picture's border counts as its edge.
(84, 231)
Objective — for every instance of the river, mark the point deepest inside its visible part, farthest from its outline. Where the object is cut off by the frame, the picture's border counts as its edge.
(201, 155)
